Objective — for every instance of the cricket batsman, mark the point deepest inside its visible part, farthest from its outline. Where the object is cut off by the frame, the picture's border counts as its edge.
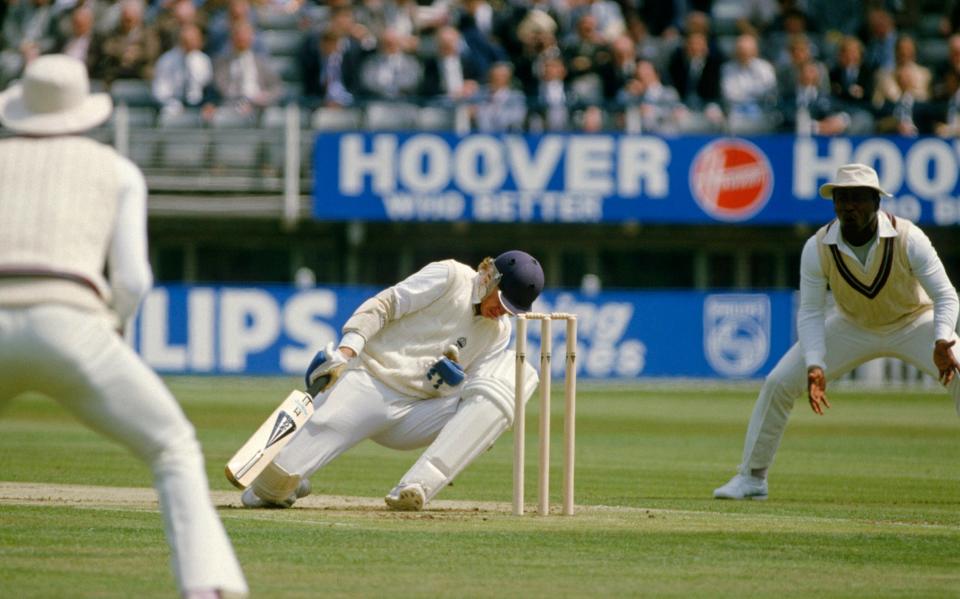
(422, 363)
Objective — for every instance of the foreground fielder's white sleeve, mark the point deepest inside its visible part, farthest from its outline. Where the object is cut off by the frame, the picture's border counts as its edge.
(129, 266)
(928, 269)
(811, 314)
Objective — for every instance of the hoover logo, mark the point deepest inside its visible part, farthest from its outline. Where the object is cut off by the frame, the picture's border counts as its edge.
(736, 333)
(731, 179)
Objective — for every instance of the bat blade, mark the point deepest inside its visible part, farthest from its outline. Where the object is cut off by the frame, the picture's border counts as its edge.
(272, 436)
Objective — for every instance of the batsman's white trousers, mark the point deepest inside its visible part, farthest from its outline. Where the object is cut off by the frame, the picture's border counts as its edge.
(360, 407)
(848, 346)
(74, 357)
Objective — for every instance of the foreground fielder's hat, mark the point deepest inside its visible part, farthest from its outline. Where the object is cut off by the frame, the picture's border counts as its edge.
(853, 175)
(53, 98)
(521, 280)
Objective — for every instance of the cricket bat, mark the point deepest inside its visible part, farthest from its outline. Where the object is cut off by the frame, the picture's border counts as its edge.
(257, 453)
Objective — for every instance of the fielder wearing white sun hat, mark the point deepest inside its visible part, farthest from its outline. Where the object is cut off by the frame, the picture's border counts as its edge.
(853, 175)
(53, 98)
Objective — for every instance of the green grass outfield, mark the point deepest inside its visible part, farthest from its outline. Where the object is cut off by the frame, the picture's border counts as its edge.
(865, 502)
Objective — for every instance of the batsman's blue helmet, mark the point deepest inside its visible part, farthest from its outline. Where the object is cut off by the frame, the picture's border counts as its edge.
(521, 280)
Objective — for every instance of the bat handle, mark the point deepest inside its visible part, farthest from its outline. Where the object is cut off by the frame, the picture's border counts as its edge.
(318, 385)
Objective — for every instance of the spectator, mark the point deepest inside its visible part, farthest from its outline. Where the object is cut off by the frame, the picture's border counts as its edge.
(184, 74)
(940, 90)
(850, 80)
(648, 47)
(907, 115)
(585, 53)
(621, 68)
(608, 17)
(454, 72)
(128, 52)
(947, 119)
(749, 87)
(851, 84)
(476, 32)
(788, 75)
(324, 61)
(29, 30)
(880, 39)
(551, 110)
(790, 26)
(354, 43)
(905, 56)
(808, 109)
(659, 104)
(221, 21)
(399, 15)
(537, 35)
(390, 73)
(76, 43)
(511, 23)
(244, 80)
(694, 70)
(173, 17)
(501, 108)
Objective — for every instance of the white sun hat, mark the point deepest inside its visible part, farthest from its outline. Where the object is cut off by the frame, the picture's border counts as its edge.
(53, 98)
(853, 175)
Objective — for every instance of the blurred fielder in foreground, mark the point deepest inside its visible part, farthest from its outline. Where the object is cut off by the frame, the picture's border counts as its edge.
(69, 204)
(424, 362)
(893, 299)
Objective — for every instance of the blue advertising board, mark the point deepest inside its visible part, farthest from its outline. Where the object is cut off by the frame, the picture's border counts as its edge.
(580, 178)
(276, 330)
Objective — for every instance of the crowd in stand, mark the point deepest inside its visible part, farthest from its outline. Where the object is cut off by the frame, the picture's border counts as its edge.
(824, 67)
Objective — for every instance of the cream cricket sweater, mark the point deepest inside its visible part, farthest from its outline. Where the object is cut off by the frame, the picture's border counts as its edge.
(408, 326)
(58, 203)
(885, 294)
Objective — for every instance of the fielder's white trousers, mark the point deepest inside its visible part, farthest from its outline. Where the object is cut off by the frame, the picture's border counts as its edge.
(74, 357)
(848, 346)
(360, 407)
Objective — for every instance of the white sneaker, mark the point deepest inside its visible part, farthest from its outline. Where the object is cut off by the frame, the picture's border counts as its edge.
(743, 487)
(250, 499)
(406, 498)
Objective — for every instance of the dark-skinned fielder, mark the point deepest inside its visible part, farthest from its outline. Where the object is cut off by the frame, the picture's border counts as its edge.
(893, 299)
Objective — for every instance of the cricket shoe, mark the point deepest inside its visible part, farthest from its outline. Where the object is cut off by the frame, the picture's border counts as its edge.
(250, 499)
(743, 487)
(406, 498)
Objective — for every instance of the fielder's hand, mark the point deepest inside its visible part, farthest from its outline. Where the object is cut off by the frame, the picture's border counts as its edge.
(446, 370)
(945, 361)
(325, 368)
(817, 389)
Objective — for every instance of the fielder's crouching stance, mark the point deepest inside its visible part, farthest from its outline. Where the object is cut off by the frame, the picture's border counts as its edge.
(424, 362)
(893, 299)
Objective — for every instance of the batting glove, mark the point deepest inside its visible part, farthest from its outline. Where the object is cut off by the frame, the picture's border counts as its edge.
(324, 369)
(445, 372)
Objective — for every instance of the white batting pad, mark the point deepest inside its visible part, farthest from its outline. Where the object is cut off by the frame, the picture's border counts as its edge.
(275, 484)
(486, 410)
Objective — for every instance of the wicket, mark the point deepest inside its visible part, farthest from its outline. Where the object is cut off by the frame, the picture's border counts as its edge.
(569, 416)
